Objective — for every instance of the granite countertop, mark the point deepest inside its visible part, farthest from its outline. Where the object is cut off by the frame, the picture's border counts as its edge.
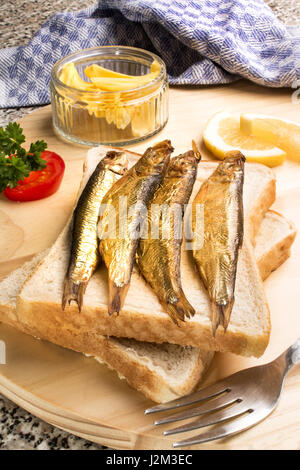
(18, 428)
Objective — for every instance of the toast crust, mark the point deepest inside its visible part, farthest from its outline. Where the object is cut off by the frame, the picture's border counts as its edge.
(84, 335)
(256, 215)
(146, 380)
(279, 252)
(82, 332)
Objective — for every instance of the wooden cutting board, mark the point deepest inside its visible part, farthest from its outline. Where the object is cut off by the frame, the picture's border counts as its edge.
(76, 393)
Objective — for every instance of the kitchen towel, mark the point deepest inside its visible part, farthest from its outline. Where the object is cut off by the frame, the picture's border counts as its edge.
(203, 42)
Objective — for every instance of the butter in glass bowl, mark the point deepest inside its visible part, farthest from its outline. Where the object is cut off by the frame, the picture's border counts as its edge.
(110, 95)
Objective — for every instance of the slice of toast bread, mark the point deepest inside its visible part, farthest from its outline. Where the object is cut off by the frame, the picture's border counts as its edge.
(162, 372)
(142, 318)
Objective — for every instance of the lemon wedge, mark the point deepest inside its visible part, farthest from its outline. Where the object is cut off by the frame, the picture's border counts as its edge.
(274, 131)
(222, 133)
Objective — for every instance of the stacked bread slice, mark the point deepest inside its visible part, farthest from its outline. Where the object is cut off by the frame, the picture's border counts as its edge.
(160, 359)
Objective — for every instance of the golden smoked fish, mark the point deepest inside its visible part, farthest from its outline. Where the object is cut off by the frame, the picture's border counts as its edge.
(158, 255)
(128, 201)
(222, 198)
(84, 246)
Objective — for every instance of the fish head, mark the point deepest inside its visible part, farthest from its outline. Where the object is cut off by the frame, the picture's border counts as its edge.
(232, 164)
(183, 164)
(116, 162)
(155, 159)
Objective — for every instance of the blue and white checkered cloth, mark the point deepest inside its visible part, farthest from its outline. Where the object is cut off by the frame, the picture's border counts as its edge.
(202, 42)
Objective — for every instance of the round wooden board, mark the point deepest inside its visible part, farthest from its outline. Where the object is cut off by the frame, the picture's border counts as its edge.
(76, 393)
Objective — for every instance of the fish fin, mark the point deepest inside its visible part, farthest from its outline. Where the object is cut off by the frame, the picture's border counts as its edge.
(221, 315)
(116, 297)
(73, 291)
(196, 151)
(180, 310)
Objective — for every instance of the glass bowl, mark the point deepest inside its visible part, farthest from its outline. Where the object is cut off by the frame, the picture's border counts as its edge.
(110, 117)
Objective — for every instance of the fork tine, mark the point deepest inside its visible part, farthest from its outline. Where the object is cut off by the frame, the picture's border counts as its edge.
(235, 426)
(208, 407)
(208, 419)
(203, 394)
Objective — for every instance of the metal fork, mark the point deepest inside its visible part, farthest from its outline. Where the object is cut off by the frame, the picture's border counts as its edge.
(233, 404)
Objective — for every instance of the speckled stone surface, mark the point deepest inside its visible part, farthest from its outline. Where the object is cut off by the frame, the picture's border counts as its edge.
(20, 430)
(19, 20)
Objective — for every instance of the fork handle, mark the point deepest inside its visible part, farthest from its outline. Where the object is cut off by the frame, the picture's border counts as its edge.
(292, 355)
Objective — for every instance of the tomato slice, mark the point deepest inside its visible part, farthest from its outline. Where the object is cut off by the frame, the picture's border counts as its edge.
(33, 175)
(39, 184)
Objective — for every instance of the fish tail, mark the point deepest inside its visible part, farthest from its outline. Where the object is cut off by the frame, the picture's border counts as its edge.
(221, 315)
(116, 297)
(216, 314)
(73, 291)
(180, 310)
(227, 309)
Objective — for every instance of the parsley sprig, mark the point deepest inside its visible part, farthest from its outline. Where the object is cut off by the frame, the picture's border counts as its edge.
(15, 162)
